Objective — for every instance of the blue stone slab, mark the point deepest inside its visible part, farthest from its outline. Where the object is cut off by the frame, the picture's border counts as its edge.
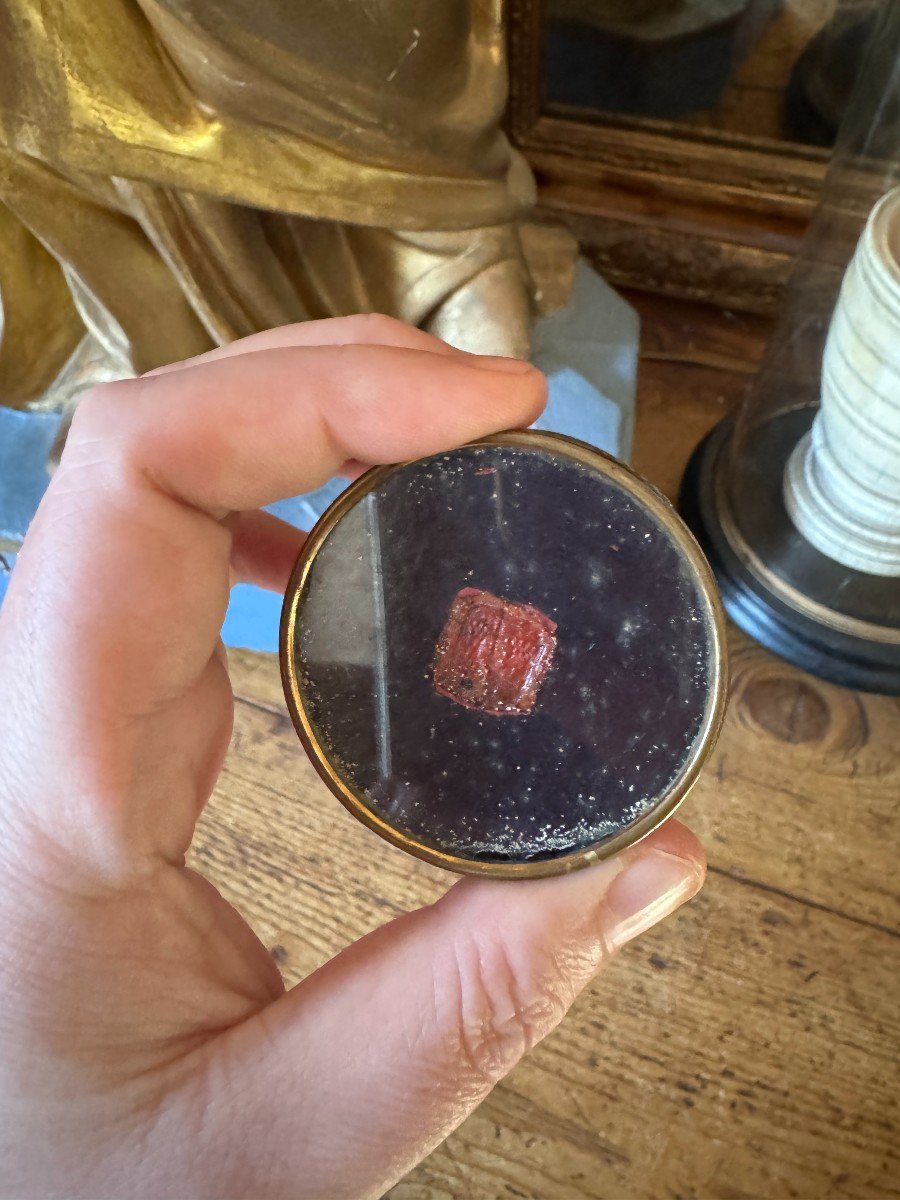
(6, 566)
(576, 408)
(26, 439)
(589, 353)
(252, 618)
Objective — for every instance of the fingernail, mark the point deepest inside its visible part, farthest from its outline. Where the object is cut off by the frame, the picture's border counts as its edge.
(496, 362)
(651, 887)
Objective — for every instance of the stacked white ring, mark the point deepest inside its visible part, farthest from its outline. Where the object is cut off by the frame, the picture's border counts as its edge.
(842, 483)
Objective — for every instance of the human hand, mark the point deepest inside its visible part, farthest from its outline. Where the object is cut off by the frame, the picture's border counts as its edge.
(147, 1045)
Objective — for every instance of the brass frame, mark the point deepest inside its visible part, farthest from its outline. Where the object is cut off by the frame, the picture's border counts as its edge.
(660, 206)
(586, 455)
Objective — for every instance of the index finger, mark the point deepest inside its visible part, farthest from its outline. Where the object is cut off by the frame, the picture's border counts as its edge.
(113, 613)
(242, 432)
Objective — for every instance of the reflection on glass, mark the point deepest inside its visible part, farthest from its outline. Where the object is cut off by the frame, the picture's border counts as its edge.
(839, 620)
(778, 69)
(554, 562)
(787, 391)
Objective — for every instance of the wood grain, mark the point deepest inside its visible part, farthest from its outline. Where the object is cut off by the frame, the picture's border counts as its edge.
(749, 1047)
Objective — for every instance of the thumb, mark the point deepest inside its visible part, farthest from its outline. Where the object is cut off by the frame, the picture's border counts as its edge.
(349, 1080)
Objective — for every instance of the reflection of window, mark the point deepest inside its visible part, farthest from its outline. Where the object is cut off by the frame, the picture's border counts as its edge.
(770, 68)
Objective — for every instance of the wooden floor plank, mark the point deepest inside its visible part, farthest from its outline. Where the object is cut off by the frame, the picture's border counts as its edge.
(746, 1048)
(801, 793)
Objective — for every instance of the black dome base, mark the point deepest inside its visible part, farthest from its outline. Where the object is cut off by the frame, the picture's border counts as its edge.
(852, 661)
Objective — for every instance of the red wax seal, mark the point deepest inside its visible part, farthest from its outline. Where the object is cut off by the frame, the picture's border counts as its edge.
(493, 654)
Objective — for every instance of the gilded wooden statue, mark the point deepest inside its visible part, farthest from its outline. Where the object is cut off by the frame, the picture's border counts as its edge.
(175, 174)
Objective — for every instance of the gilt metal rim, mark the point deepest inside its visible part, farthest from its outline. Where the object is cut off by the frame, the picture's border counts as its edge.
(643, 491)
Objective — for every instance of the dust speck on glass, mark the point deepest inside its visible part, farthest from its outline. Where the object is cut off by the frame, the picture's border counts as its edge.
(617, 714)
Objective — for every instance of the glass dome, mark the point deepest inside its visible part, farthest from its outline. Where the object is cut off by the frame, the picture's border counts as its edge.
(827, 598)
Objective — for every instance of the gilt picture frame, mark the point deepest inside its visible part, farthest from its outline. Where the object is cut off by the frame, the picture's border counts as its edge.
(688, 212)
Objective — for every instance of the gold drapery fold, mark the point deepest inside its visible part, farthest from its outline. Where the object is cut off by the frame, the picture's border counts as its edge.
(202, 169)
(39, 324)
